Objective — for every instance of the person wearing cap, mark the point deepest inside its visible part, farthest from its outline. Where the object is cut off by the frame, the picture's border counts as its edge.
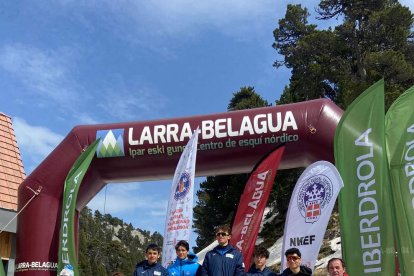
(224, 259)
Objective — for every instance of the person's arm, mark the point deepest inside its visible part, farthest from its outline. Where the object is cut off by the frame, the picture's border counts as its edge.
(204, 267)
(199, 271)
(240, 271)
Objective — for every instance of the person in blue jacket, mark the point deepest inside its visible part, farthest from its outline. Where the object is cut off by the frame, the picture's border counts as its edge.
(259, 268)
(224, 259)
(186, 262)
(150, 266)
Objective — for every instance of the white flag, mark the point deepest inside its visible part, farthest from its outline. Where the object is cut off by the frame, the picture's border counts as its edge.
(309, 210)
(179, 219)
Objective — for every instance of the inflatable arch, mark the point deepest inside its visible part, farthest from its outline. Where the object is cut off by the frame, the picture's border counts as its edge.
(229, 143)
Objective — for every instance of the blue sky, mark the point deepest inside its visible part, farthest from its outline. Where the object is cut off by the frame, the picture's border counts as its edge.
(65, 63)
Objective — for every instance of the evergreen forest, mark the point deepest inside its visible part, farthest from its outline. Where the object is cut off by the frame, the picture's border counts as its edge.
(108, 244)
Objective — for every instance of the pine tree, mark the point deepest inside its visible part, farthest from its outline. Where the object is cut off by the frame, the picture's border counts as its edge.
(374, 41)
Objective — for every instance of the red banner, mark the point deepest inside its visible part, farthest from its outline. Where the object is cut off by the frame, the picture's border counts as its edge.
(252, 204)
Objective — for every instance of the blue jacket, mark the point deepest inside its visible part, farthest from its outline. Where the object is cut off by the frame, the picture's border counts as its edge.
(145, 269)
(253, 271)
(186, 267)
(223, 261)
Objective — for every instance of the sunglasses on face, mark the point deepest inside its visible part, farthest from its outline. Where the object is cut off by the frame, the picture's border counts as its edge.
(223, 234)
(293, 258)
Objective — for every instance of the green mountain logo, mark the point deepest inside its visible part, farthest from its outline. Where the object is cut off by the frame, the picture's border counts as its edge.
(111, 143)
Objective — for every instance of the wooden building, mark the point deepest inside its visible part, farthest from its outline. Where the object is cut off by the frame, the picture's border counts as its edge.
(11, 175)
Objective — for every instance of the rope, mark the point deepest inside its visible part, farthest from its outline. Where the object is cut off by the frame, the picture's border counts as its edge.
(36, 193)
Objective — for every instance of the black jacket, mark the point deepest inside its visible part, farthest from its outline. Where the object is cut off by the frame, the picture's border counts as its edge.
(304, 271)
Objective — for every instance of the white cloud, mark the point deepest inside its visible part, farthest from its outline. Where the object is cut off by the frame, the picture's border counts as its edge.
(232, 17)
(127, 198)
(35, 142)
(45, 73)
(86, 119)
(131, 105)
(136, 19)
(49, 76)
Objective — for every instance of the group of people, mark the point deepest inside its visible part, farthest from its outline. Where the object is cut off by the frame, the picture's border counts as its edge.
(226, 260)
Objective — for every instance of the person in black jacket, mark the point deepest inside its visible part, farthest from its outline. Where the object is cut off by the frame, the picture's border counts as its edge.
(224, 259)
(150, 266)
(259, 268)
(294, 267)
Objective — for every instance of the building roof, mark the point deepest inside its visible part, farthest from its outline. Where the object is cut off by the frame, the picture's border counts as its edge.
(11, 167)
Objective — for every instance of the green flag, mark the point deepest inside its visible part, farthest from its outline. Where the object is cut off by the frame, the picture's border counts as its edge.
(2, 272)
(399, 136)
(364, 202)
(67, 250)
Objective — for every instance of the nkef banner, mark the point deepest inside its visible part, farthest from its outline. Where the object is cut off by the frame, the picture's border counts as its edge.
(399, 138)
(310, 208)
(179, 219)
(365, 201)
(252, 204)
(67, 250)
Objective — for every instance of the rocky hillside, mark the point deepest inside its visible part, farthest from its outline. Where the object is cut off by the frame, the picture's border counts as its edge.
(108, 244)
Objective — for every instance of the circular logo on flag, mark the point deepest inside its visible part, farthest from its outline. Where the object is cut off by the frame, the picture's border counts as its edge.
(313, 197)
(67, 271)
(183, 186)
